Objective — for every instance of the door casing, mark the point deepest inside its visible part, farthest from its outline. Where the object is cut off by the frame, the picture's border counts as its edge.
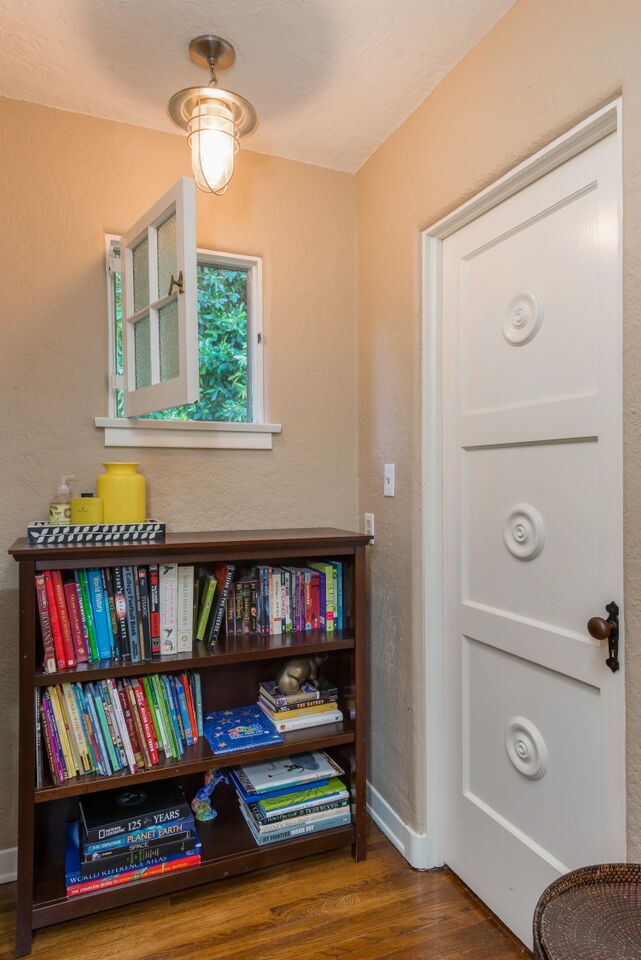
(579, 138)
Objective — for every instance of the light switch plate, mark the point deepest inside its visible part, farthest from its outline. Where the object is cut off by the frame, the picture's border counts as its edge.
(389, 481)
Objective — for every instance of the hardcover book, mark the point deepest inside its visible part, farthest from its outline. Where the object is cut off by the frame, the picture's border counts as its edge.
(268, 775)
(241, 728)
(121, 811)
(185, 609)
(168, 622)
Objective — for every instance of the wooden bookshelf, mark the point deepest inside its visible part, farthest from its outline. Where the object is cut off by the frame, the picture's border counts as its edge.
(229, 674)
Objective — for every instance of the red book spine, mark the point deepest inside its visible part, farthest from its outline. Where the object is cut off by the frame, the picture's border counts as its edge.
(315, 601)
(138, 873)
(55, 623)
(154, 608)
(75, 622)
(131, 728)
(147, 724)
(49, 653)
(309, 605)
(63, 618)
(190, 706)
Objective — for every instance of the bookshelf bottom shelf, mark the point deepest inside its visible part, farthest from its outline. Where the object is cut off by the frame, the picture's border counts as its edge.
(228, 849)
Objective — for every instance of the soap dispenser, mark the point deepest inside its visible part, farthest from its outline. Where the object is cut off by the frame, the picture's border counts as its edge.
(60, 507)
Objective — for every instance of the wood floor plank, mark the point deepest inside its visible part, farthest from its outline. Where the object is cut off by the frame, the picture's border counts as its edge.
(325, 908)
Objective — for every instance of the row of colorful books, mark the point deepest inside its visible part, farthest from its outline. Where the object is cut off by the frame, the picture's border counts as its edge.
(289, 599)
(113, 725)
(290, 797)
(115, 613)
(129, 835)
(311, 706)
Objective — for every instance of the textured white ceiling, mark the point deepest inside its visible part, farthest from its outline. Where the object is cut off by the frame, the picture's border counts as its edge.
(331, 79)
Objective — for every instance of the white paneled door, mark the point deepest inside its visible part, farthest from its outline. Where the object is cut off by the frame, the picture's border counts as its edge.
(534, 718)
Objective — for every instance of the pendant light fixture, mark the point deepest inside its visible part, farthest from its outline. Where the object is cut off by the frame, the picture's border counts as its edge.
(214, 118)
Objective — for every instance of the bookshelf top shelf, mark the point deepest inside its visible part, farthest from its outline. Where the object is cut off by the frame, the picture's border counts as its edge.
(218, 543)
(228, 649)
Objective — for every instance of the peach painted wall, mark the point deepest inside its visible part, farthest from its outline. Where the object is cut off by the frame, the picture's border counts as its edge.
(65, 181)
(544, 67)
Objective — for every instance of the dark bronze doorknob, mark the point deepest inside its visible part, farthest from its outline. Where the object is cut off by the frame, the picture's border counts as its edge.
(602, 629)
(599, 628)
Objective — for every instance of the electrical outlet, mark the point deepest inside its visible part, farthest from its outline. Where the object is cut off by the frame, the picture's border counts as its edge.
(369, 525)
(389, 481)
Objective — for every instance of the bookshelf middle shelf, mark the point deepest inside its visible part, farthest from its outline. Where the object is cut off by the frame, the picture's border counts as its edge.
(228, 650)
(198, 758)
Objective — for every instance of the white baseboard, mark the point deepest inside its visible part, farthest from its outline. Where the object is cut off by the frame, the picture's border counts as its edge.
(8, 864)
(410, 844)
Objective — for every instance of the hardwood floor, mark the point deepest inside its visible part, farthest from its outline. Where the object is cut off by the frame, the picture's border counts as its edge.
(325, 908)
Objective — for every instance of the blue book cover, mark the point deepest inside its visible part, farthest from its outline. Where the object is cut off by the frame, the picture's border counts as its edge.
(72, 860)
(184, 710)
(171, 707)
(132, 613)
(198, 701)
(100, 615)
(144, 835)
(338, 592)
(241, 728)
(268, 794)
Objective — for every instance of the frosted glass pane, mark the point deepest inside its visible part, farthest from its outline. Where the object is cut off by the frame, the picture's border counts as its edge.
(142, 343)
(141, 275)
(166, 255)
(168, 335)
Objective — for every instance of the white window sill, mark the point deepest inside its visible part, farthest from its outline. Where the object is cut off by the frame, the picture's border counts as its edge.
(201, 435)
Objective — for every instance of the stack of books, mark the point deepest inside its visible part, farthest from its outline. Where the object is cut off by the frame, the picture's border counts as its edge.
(113, 725)
(129, 835)
(310, 707)
(105, 613)
(290, 797)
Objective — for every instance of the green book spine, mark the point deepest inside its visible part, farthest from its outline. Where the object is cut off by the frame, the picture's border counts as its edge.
(86, 606)
(169, 730)
(205, 609)
(153, 708)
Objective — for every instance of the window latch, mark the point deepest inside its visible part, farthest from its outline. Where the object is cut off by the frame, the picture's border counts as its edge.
(179, 284)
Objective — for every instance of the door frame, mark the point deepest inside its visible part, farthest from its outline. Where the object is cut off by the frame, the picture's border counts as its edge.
(594, 128)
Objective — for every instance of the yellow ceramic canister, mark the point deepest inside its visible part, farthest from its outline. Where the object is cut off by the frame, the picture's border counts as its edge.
(86, 509)
(122, 490)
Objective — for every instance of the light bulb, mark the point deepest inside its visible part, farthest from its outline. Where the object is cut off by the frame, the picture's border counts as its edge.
(213, 138)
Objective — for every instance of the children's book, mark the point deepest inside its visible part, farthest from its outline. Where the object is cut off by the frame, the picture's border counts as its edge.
(251, 798)
(241, 728)
(341, 820)
(304, 797)
(269, 776)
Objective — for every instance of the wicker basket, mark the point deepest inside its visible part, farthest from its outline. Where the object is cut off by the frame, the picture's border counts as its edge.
(591, 914)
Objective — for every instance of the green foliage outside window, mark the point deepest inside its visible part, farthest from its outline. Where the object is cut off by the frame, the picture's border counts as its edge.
(222, 346)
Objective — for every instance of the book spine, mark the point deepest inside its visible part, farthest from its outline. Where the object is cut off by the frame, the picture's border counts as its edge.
(205, 607)
(170, 706)
(79, 745)
(154, 608)
(112, 724)
(185, 609)
(103, 753)
(162, 740)
(75, 622)
(198, 702)
(56, 770)
(143, 592)
(141, 635)
(220, 610)
(72, 760)
(184, 712)
(61, 662)
(127, 685)
(132, 613)
(137, 858)
(110, 609)
(63, 618)
(49, 653)
(120, 610)
(103, 631)
(90, 740)
(61, 765)
(121, 723)
(131, 727)
(168, 623)
(183, 679)
(300, 723)
(171, 750)
(101, 715)
(83, 619)
(89, 617)
(147, 724)
(92, 886)
(309, 811)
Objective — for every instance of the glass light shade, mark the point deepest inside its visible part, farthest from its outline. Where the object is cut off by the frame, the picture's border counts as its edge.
(213, 138)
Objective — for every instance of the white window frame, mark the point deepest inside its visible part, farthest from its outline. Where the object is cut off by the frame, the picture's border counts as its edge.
(199, 434)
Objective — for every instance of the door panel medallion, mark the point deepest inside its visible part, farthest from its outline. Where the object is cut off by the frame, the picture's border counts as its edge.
(524, 532)
(523, 319)
(526, 748)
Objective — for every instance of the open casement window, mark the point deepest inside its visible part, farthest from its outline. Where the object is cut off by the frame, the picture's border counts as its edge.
(160, 305)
